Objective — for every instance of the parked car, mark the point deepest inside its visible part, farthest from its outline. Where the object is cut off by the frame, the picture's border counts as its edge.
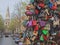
(14, 36)
(6, 34)
(17, 40)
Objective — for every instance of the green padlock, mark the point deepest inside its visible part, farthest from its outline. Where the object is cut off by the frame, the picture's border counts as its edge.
(45, 32)
(41, 38)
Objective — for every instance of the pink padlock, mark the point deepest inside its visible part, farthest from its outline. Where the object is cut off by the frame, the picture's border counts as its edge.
(29, 23)
(29, 13)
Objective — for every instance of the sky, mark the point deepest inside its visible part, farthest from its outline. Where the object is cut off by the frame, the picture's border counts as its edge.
(5, 3)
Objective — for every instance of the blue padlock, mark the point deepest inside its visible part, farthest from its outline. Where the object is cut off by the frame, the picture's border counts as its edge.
(50, 5)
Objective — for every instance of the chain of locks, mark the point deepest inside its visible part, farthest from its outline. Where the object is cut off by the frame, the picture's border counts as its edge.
(43, 25)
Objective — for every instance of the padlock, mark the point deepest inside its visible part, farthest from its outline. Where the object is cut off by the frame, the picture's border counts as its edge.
(42, 23)
(36, 28)
(41, 5)
(54, 7)
(29, 13)
(29, 23)
(34, 22)
(36, 11)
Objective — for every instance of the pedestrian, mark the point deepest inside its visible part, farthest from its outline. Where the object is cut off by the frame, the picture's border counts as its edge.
(27, 41)
(20, 43)
(21, 39)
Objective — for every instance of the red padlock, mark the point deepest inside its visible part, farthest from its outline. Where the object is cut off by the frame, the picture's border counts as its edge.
(45, 37)
(41, 5)
(54, 7)
(34, 22)
(36, 11)
(48, 17)
(36, 28)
